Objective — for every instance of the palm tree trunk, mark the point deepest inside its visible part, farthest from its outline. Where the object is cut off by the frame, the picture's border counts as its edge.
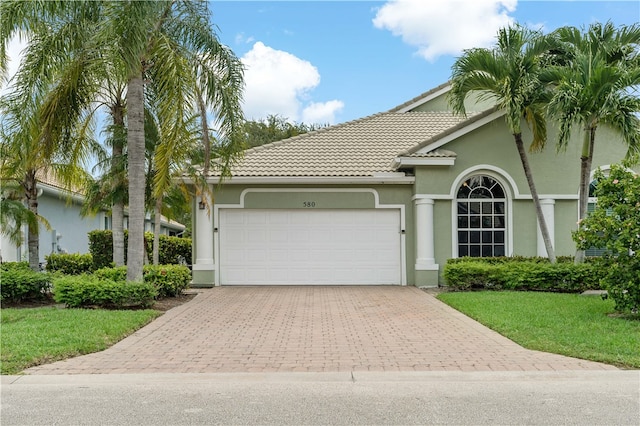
(33, 239)
(117, 209)
(586, 160)
(136, 169)
(156, 231)
(536, 200)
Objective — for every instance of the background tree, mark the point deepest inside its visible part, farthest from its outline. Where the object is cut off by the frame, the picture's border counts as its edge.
(508, 74)
(594, 79)
(274, 128)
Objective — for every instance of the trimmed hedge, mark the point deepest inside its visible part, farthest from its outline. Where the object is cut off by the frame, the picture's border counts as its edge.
(101, 248)
(79, 291)
(8, 266)
(510, 259)
(168, 280)
(173, 250)
(520, 275)
(69, 264)
(19, 282)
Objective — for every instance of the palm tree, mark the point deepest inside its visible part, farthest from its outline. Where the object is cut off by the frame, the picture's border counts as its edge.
(24, 161)
(33, 144)
(593, 80)
(508, 75)
(148, 40)
(14, 215)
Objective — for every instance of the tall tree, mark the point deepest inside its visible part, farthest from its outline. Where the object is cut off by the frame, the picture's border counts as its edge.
(508, 74)
(149, 41)
(594, 78)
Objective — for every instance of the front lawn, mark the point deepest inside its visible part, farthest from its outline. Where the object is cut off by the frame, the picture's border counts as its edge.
(567, 324)
(42, 335)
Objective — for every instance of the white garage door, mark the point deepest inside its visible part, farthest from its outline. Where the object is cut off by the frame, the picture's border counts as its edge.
(309, 247)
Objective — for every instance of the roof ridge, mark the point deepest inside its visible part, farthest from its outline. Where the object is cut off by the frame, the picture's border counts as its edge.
(311, 133)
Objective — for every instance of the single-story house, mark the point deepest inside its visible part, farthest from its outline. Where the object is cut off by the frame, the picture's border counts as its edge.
(69, 229)
(387, 199)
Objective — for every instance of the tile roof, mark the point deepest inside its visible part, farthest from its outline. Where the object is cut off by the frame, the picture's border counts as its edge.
(362, 147)
(438, 153)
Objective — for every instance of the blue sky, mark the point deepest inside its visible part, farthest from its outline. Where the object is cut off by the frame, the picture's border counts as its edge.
(335, 61)
(322, 62)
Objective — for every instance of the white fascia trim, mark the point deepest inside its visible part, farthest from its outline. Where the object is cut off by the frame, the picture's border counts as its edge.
(461, 132)
(377, 205)
(317, 180)
(425, 99)
(62, 193)
(423, 161)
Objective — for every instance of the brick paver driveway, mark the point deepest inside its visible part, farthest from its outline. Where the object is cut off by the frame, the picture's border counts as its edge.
(287, 329)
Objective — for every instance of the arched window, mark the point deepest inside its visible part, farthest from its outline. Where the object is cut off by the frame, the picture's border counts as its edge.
(481, 217)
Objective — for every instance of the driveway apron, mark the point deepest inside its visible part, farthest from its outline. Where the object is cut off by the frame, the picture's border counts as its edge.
(314, 329)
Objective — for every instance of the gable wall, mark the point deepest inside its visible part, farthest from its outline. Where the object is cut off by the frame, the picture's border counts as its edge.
(440, 103)
(556, 176)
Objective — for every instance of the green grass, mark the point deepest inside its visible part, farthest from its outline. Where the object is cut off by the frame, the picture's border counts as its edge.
(41, 335)
(566, 324)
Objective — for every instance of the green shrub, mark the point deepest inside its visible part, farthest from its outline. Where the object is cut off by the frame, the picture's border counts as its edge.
(69, 264)
(614, 225)
(113, 274)
(510, 259)
(78, 291)
(520, 275)
(8, 266)
(18, 283)
(101, 248)
(169, 280)
(172, 249)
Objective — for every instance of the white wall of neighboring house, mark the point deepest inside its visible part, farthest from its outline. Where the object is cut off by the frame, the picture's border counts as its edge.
(69, 230)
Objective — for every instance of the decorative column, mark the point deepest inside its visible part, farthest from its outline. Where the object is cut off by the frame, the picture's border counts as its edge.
(425, 246)
(548, 211)
(204, 267)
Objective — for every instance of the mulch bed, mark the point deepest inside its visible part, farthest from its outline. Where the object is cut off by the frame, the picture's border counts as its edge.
(161, 305)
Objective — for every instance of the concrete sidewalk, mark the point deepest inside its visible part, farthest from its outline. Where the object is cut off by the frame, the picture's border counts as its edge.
(314, 329)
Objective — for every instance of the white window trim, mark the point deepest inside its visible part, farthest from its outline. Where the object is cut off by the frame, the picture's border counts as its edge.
(503, 179)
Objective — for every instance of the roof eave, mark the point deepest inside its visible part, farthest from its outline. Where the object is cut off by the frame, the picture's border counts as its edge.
(400, 162)
(382, 179)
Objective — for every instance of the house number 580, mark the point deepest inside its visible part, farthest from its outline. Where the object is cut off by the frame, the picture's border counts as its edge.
(309, 204)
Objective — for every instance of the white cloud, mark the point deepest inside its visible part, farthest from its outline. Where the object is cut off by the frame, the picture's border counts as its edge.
(445, 27)
(279, 83)
(14, 53)
(241, 38)
(322, 112)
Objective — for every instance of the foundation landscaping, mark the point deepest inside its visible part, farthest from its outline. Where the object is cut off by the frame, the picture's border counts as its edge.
(73, 308)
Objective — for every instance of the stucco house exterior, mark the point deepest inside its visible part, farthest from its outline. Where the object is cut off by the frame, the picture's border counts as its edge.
(387, 199)
(69, 229)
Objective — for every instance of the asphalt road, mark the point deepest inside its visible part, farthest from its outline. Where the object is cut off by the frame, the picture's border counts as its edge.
(483, 398)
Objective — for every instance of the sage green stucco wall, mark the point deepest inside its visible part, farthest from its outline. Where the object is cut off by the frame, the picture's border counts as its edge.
(440, 103)
(296, 196)
(556, 176)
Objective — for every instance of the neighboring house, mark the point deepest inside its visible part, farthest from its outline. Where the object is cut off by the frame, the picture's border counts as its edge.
(387, 199)
(69, 230)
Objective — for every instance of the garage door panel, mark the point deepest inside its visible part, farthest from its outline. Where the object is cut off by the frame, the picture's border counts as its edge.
(309, 246)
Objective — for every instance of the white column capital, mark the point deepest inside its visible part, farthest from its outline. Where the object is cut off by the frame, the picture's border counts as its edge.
(420, 200)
